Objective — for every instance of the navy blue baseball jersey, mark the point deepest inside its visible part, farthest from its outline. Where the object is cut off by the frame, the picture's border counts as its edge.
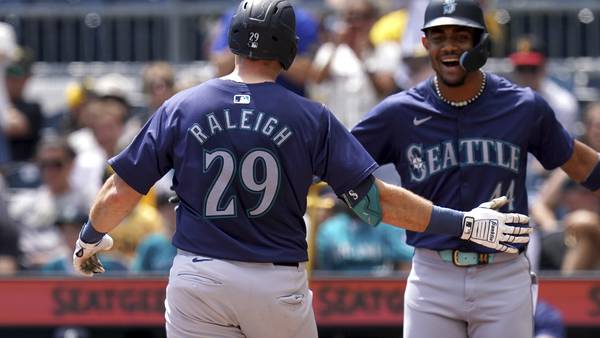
(244, 156)
(461, 157)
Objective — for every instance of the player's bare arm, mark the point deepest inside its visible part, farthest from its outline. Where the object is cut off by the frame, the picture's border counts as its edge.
(412, 213)
(114, 202)
(584, 167)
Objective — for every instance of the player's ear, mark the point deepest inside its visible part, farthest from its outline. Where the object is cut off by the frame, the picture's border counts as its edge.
(425, 42)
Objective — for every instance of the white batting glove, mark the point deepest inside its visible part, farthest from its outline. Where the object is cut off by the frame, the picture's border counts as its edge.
(488, 227)
(85, 258)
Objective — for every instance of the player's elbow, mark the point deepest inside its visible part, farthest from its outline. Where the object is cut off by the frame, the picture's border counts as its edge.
(116, 192)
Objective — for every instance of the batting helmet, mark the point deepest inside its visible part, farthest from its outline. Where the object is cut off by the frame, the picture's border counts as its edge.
(264, 30)
(466, 13)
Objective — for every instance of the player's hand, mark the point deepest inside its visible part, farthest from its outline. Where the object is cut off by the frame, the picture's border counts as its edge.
(85, 256)
(488, 227)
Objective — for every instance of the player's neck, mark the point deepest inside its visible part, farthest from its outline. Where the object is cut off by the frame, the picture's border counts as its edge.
(254, 71)
(467, 92)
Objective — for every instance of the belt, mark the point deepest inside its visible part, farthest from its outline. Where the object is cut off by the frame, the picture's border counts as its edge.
(293, 264)
(461, 258)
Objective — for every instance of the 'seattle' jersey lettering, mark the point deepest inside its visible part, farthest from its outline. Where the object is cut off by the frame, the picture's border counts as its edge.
(473, 152)
(244, 157)
(461, 157)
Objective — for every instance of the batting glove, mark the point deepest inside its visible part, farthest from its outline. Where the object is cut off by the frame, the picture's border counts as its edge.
(85, 256)
(488, 227)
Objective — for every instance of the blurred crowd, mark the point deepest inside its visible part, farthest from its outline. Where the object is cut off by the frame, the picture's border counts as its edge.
(349, 57)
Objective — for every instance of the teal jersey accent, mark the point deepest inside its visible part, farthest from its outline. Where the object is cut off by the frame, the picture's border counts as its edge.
(369, 208)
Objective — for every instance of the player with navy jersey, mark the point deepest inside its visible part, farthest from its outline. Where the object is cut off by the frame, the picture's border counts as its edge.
(244, 151)
(461, 138)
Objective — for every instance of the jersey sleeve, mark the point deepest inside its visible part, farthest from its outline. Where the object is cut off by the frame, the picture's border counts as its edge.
(149, 156)
(340, 160)
(374, 133)
(550, 142)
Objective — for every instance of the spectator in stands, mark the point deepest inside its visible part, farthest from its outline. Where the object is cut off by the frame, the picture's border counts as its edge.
(295, 78)
(349, 74)
(529, 62)
(108, 113)
(565, 211)
(8, 47)
(109, 124)
(548, 321)
(104, 114)
(529, 69)
(69, 222)
(9, 237)
(25, 117)
(582, 238)
(77, 91)
(414, 68)
(155, 253)
(346, 243)
(158, 84)
(37, 209)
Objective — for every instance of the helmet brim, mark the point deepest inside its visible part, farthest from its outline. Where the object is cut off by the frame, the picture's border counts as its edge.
(449, 21)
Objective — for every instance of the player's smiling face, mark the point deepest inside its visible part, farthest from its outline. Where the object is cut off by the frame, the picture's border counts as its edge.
(445, 45)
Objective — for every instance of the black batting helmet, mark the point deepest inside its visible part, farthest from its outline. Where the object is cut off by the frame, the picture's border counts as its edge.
(454, 12)
(264, 30)
(466, 13)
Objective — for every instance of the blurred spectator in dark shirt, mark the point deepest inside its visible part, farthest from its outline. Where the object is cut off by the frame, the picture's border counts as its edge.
(8, 48)
(9, 237)
(25, 117)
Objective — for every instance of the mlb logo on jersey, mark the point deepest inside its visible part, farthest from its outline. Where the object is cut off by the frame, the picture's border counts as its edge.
(241, 99)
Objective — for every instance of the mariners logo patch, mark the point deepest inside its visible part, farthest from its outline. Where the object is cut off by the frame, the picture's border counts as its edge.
(449, 6)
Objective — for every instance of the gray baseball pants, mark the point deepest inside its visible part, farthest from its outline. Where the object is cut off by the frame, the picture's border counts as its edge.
(483, 301)
(213, 298)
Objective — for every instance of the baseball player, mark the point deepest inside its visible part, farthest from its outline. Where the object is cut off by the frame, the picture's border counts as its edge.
(459, 138)
(244, 152)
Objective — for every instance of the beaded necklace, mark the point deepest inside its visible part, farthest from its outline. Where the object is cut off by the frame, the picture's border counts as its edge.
(458, 103)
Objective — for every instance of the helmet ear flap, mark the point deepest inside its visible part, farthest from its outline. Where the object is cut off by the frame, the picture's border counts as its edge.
(477, 56)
